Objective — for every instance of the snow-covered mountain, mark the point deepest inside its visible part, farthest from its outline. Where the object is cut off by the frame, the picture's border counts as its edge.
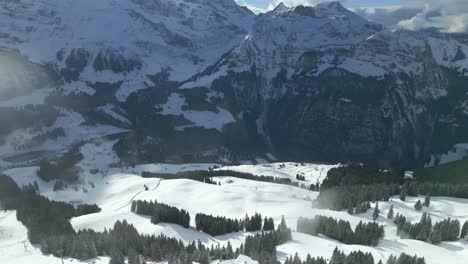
(122, 40)
(208, 80)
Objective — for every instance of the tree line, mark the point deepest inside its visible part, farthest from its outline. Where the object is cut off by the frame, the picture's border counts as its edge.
(355, 197)
(424, 230)
(220, 225)
(355, 257)
(350, 186)
(360, 174)
(62, 169)
(202, 176)
(367, 234)
(212, 225)
(160, 212)
(436, 189)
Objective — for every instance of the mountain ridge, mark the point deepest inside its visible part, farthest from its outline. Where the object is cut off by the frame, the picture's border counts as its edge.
(210, 81)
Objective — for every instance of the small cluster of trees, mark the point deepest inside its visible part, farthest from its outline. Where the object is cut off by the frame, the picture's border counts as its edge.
(262, 247)
(361, 208)
(86, 209)
(202, 176)
(436, 189)
(160, 213)
(445, 230)
(352, 196)
(300, 177)
(360, 174)
(355, 257)
(220, 225)
(63, 169)
(364, 234)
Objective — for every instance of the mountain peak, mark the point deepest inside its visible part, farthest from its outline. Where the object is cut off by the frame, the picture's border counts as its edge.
(331, 5)
(281, 8)
(334, 8)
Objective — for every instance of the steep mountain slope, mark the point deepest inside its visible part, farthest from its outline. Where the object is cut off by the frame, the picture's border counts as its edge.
(122, 40)
(199, 80)
(325, 83)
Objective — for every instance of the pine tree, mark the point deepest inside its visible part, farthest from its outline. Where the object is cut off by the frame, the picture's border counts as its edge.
(92, 251)
(375, 215)
(338, 257)
(230, 252)
(418, 205)
(427, 200)
(436, 236)
(350, 209)
(390, 213)
(45, 247)
(132, 256)
(392, 260)
(403, 194)
(464, 230)
(116, 257)
(204, 258)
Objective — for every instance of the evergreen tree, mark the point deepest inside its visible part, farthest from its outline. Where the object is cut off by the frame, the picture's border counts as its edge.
(116, 257)
(464, 230)
(132, 256)
(338, 257)
(418, 205)
(230, 251)
(390, 213)
(392, 260)
(427, 200)
(204, 258)
(436, 236)
(375, 215)
(364, 233)
(403, 194)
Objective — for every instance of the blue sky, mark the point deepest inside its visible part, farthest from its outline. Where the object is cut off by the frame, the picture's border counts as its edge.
(347, 3)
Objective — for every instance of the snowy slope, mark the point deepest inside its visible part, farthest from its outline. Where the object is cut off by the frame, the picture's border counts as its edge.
(236, 197)
(313, 173)
(16, 249)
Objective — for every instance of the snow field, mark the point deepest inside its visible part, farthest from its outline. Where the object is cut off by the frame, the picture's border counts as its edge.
(236, 197)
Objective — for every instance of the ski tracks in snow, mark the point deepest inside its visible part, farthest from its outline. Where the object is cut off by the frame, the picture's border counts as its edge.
(136, 195)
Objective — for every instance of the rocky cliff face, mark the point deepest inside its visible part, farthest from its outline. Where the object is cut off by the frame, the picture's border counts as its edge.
(187, 80)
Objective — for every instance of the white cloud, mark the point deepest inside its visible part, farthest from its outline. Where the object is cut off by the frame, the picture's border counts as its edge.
(448, 15)
(389, 16)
